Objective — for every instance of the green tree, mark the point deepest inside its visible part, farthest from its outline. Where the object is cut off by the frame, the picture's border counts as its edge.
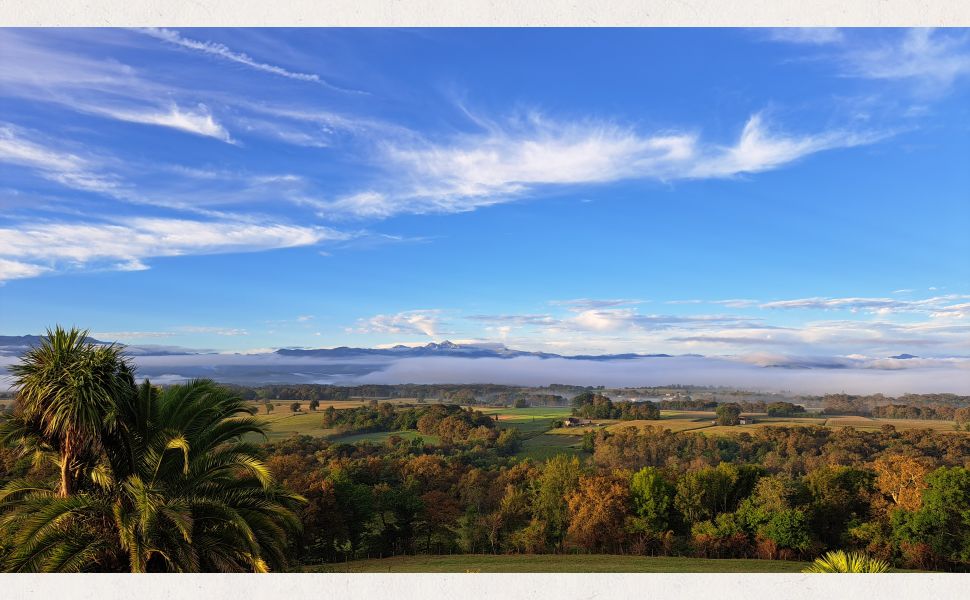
(314, 404)
(653, 498)
(66, 389)
(560, 476)
(170, 486)
(295, 407)
(788, 529)
(728, 413)
(943, 520)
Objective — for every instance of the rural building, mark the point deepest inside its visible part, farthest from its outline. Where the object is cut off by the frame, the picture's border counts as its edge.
(575, 422)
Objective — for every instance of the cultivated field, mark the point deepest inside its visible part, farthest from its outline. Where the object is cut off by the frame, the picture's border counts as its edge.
(557, 563)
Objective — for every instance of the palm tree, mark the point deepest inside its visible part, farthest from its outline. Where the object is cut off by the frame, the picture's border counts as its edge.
(840, 561)
(67, 387)
(163, 482)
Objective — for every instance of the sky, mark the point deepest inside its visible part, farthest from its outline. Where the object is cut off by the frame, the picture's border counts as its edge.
(746, 193)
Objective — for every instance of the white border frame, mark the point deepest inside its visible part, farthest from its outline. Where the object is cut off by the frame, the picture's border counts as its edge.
(438, 13)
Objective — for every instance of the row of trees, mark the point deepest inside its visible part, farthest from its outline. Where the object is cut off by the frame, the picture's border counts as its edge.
(590, 405)
(932, 412)
(452, 424)
(847, 404)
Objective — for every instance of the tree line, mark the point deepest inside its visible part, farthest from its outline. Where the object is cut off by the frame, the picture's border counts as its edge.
(777, 493)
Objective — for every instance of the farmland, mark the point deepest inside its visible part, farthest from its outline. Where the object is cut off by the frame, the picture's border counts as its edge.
(541, 440)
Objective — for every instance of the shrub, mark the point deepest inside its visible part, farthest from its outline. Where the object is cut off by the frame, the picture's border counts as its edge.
(840, 561)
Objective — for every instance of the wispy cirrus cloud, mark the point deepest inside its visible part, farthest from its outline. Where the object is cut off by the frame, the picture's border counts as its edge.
(63, 167)
(110, 336)
(579, 304)
(931, 60)
(46, 246)
(523, 157)
(939, 305)
(224, 52)
(806, 35)
(199, 121)
(102, 87)
(225, 331)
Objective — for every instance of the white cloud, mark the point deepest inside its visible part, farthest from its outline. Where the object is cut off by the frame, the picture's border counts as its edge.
(110, 336)
(65, 168)
(73, 245)
(199, 121)
(806, 35)
(101, 87)
(882, 306)
(932, 59)
(579, 304)
(506, 163)
(424, 322)
(760, 149)
(224, 52)
(226, 331)
(12, 269)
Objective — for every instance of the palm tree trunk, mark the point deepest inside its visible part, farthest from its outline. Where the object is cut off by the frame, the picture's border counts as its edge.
(67, 457)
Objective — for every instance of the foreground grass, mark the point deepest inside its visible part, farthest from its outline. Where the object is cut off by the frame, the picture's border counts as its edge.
(557, 563)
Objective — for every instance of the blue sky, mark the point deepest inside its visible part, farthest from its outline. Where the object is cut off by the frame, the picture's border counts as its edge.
(719, 191)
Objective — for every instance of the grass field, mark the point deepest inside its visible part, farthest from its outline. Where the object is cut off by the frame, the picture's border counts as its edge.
(869, 424)
(541, 441)
(557, 563)
(284, 424)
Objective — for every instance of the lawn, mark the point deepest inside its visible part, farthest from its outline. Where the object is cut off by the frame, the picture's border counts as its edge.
(557, 563)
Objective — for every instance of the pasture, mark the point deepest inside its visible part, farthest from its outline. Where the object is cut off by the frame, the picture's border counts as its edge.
(541, 441)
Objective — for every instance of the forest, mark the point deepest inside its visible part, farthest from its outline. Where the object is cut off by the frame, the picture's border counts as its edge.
(782, 493)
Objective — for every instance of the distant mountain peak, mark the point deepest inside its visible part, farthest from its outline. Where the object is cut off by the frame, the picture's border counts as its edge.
(904, 356)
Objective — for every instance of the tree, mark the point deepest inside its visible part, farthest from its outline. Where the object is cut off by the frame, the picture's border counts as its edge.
(66, 392)
(690, 499)
(295, 407)
(787, 530)
(841, 561)
(559, 478)
(783, 409)
(902, 479)
(840, 495)
(509, 441)
(653, 498)
(268, 406)
(943, 521)
(170, 487)
(728, 413)
(598, 509)
(314, 404)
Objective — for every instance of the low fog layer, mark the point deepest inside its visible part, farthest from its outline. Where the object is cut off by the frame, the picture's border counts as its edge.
(814, 375)
(943, 376)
